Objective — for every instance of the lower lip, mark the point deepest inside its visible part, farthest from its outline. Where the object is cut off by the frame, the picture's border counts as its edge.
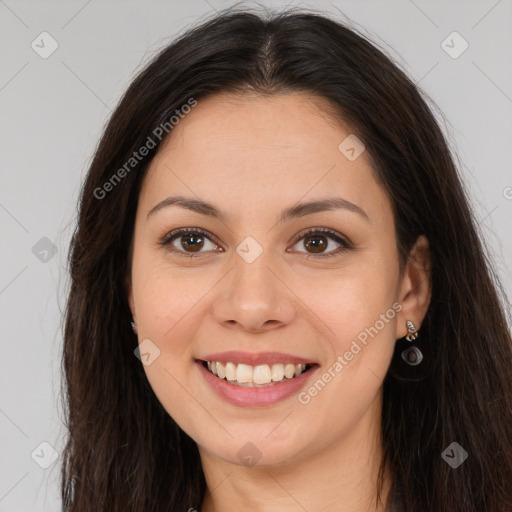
(255, 397)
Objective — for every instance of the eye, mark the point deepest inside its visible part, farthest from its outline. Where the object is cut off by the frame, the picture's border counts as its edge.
(189, 242)
(317, 240)
(192, 241)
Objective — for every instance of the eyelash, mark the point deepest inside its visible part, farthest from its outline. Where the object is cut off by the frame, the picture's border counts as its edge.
(344, 244)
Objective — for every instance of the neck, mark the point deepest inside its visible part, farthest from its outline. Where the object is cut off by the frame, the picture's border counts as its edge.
(342, 477)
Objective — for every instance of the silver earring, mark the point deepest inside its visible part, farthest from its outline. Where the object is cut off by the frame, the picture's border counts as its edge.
(134, 327)
(412, 355)
(412, 333)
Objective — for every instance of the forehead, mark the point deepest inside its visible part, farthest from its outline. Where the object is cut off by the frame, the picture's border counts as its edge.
(265, 149)
(288, 121)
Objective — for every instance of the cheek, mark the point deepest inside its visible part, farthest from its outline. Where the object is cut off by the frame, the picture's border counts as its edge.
(165, 306)
(167, 296)
(169, 312)
(355, 298)
(360, 308)
(364, 323)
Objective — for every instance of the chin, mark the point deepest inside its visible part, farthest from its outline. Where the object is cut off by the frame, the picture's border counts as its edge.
(257, 449)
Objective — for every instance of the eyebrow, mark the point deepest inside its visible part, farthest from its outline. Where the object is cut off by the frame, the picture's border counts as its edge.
(296, 211)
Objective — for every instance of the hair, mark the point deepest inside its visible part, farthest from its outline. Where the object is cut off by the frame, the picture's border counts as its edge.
(123, 451)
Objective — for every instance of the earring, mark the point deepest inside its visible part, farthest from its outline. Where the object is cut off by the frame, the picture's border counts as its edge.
(412, 332)
(134, 327)
(412, 355)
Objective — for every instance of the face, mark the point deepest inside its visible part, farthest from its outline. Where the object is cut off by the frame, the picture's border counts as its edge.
(264, 291)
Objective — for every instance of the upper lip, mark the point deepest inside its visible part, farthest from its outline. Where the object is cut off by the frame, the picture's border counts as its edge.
(255, 359)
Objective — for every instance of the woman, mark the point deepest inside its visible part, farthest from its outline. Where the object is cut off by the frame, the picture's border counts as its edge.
(279, 297)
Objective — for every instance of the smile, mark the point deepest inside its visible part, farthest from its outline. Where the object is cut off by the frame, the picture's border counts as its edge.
(255, 376)
(257, 385)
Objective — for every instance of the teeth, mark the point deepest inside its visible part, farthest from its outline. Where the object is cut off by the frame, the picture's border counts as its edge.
(289, 370)
(244, 373)
(277, 372)
(261, 374)
(250, 376)
(299, 368)
(221, 371)
(212, 367)
(230, 371)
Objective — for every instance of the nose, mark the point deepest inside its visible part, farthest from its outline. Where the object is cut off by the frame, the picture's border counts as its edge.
(254, 298)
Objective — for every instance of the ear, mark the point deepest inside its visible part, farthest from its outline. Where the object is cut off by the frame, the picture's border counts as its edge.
(128, 288)
(129, 294)
(415, 287)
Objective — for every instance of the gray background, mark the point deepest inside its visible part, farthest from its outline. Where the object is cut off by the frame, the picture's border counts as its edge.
(52, 114)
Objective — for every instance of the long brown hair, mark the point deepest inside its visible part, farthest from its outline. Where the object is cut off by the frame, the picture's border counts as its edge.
(124, 452)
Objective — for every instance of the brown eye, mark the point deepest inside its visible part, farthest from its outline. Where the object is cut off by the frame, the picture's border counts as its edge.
(192, 242)
(188, 242)
(317, 243)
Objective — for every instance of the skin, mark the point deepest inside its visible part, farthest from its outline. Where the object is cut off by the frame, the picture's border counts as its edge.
(253, 156)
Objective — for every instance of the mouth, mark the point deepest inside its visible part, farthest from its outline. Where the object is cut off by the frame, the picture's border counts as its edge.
(257, 376)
